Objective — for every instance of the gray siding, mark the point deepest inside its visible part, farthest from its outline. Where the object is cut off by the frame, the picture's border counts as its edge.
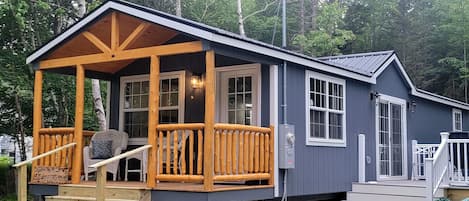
(320, 170)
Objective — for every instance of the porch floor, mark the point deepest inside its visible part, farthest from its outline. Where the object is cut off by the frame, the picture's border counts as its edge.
(174, 186)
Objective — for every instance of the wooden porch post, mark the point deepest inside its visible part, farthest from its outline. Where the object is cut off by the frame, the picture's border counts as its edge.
(37, 114)
(79, 104)
(209, 119)
(153, 102)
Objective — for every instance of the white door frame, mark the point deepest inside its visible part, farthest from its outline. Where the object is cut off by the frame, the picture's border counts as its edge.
(403, 103)
(246, 69)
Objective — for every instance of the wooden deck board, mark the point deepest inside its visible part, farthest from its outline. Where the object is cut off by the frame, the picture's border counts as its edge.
(173, 186)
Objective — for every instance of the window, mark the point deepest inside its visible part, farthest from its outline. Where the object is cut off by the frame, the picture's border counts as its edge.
(457, 120)
(325, 116)
(134, 103)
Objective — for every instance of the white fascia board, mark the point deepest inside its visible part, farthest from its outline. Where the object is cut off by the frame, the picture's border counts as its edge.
(199, 33)
(440, 99)
(417, 92)
(288, 57)
(399, 65)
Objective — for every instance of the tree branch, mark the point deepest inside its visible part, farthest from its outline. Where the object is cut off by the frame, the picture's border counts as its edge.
(267, 5)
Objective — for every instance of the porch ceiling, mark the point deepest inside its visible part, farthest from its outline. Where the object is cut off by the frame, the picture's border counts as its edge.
(132, 33)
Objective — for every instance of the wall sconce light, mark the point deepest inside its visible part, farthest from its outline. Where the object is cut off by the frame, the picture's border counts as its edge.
(412, 105)
(196, 81)
(374, 95)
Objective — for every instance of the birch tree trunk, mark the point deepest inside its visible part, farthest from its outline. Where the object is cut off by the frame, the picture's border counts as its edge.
(98, 104)
(240, 19)
(302, 17)
(95, 87)
(178, 8)
(314, 13)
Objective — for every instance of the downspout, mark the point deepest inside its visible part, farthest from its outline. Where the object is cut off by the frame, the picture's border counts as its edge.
(284, 45)
(284, 91)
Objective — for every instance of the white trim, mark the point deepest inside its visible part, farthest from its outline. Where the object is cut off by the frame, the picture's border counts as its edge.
(403, 103)
(453, 114)
(273, 93)
(135, 78)
(361, 158)
(310, 141)
(248, 69)
(414, 90)
(207, 35)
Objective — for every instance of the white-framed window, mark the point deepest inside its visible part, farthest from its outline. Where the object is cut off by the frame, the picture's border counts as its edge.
(457, 120)
(134, 91)
(325, 110)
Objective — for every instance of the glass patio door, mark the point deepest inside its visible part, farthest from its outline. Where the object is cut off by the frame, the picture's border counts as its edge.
(391, 139)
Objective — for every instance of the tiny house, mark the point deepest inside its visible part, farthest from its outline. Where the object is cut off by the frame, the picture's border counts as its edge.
(206, 105)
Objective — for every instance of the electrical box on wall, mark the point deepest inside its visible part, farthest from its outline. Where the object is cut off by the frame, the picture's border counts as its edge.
(286, 146)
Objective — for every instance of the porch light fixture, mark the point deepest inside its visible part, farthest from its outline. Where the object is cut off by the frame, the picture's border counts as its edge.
(196, 81)
(374, 95)
(412, 105)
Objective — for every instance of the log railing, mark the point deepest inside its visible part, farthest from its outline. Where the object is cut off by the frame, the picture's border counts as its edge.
(22, 169)
(176, 161)
(243, 153)
(51, 138)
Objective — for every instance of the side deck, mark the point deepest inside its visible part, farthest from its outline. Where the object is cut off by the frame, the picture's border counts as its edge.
(164, 191)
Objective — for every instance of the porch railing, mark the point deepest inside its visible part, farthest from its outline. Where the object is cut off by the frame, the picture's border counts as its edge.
(420, 152)
(173, 165)
(52, 138)
(241, 153)
(22, 169)
(458, 161)
(436, 168)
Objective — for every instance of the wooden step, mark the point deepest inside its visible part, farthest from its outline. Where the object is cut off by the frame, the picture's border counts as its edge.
(77, 198)
(111, 192)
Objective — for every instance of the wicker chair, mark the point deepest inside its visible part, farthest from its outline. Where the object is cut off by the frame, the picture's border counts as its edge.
(119, 143)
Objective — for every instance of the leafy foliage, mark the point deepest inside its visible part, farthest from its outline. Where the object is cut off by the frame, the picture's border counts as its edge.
(329, 38)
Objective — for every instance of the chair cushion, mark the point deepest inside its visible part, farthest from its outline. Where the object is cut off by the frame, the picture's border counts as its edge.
(101, 149)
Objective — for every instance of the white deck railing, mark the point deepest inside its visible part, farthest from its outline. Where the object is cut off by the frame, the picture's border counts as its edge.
(458, 160)
(419, 153)
(436, 168)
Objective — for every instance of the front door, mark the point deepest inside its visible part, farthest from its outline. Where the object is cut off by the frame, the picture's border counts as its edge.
(391, 138)
(239, 98)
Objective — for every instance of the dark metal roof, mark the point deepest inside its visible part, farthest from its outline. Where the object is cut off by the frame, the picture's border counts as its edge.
(363, 63)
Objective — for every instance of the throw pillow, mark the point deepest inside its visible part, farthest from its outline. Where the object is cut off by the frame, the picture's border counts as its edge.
(101, 149)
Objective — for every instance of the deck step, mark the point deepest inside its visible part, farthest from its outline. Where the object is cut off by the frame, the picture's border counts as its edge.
(352, 196)
(390, 191)
(77, 198)
(403, 190)
(71, 192)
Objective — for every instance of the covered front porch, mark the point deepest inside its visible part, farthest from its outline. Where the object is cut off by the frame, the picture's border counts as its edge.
(196, 112)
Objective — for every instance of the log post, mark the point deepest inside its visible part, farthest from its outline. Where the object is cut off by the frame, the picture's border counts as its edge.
(209, 119)
(37, 114)
(78, 138)
(101, 178)
(153, 120)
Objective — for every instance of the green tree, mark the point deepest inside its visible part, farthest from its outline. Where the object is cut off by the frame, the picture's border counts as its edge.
(329, 38)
